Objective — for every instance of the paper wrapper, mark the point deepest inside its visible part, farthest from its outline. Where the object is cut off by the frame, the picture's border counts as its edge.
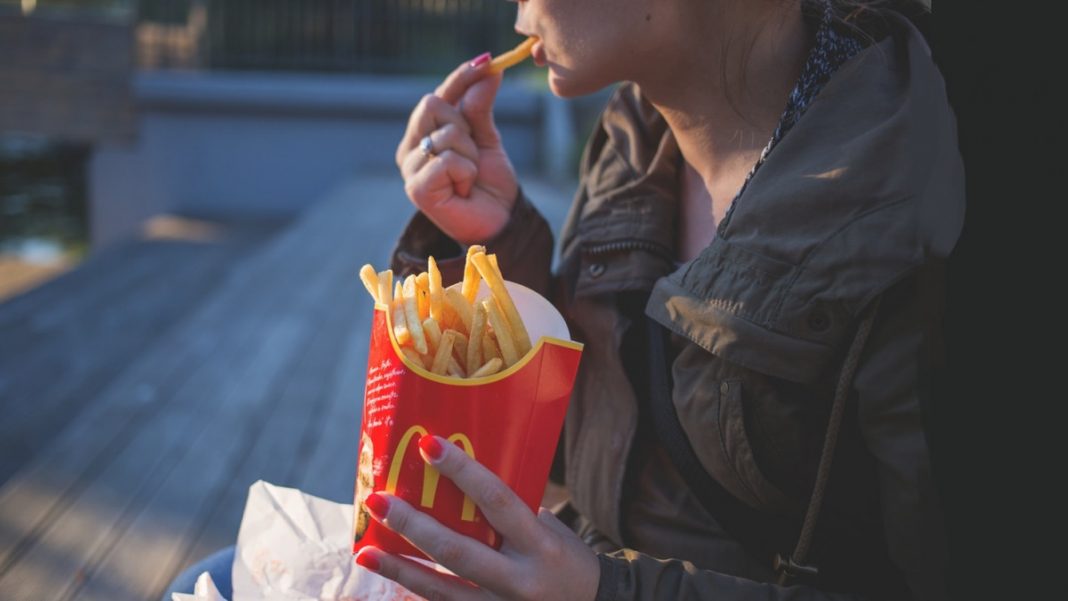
(509, 422)
(295, 547)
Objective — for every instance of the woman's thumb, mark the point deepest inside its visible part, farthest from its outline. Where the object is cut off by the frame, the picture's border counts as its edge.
(477, 107)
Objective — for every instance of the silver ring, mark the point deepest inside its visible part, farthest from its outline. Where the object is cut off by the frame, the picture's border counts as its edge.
(426, 146)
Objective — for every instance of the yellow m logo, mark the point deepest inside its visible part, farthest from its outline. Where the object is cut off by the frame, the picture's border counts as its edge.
(430, 474)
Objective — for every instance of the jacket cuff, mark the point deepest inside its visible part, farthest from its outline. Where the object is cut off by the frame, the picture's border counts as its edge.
(517, 246)
(613, 571)
(422, 239)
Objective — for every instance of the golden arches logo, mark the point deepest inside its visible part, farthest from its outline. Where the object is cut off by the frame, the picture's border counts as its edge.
(430, 473)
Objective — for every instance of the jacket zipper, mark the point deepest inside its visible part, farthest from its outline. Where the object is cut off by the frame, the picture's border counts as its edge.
(626, 245)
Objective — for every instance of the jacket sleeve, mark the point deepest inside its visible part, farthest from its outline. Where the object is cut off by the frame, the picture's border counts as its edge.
(891, 386)
(523, 248)
(628, 575)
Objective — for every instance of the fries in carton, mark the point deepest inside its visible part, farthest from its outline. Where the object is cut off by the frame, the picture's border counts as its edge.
(496, 388)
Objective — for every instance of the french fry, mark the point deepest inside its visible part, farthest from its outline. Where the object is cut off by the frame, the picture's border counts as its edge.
(400, 325)
(400, 322)
(459, 304)
(454, 369)
(514, 56)
(385, 287)
(411, 312)
(433, 333)
(489, 347)
(413, 356)
(507, 306)
(437, 293)
(459, 346)
(422, 294)
(478, 328)
(491, 367)
(504, 336)
(370, 280)
(469, 287)
(443, 354)
(493, 261)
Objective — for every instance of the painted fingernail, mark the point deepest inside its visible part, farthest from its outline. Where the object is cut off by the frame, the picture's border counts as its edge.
(367, 559)
(480, 60)
(377, 505)
(431, 447)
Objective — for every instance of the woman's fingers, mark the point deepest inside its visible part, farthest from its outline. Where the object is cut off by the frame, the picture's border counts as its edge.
(430, 114)
(455, 84)
(462, 554)
(416, 577)
(501, 506)
(433, 180)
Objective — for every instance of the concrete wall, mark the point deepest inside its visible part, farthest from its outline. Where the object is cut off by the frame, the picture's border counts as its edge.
(262, 144)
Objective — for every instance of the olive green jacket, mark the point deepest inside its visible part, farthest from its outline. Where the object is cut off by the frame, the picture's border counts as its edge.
(862, 198)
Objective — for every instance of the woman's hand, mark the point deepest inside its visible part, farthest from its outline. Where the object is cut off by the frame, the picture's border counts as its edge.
(467, 186)
(540, 558)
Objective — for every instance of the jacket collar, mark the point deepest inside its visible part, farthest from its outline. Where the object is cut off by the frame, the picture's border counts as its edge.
(866, 187)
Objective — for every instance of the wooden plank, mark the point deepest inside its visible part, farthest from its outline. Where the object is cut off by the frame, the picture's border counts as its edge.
(87, 447)
(276, 427)
(292, 430)
(89, 551)
(49, 389)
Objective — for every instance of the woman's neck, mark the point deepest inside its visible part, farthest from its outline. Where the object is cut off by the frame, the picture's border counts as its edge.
(723, 100)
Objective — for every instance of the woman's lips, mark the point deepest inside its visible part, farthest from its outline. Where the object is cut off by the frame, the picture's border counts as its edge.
(537, 52)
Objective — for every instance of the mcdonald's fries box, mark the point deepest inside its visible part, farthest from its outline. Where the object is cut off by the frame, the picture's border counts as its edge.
(509, 422)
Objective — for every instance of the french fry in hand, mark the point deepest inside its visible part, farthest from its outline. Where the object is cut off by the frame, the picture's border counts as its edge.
(514, 56)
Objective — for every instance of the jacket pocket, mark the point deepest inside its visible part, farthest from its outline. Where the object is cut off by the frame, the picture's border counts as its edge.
(720, 412)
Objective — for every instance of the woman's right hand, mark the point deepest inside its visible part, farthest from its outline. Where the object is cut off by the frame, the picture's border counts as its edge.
(467, 187)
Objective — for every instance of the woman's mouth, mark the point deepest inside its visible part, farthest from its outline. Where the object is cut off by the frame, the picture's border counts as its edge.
(537, 52)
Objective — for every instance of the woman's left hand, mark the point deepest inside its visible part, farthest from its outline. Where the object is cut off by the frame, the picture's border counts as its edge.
(540, 557)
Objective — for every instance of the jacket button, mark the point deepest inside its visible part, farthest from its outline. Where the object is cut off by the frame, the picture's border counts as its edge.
(819, 321)
(596, 270)
(724, 388)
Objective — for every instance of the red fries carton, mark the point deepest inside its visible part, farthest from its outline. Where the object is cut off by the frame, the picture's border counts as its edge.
(510, 422)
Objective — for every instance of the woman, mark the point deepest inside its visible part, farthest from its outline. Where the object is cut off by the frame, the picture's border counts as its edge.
(758, 289)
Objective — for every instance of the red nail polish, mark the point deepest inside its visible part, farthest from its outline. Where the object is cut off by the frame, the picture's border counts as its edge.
(377, 505)
(431, 447)
(480, 60)
(368, 560)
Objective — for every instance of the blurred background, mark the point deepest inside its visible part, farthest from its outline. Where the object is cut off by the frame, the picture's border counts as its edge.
(187, 190)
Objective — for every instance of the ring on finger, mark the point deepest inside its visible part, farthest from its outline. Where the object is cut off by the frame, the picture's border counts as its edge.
(426, 146)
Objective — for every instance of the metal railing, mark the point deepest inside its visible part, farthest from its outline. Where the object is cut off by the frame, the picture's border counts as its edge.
(367, 36)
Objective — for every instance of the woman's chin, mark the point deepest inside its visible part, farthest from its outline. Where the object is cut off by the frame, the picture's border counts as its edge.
(569, 87)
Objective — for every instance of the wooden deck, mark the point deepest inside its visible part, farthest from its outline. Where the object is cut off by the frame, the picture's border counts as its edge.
(143, 392)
